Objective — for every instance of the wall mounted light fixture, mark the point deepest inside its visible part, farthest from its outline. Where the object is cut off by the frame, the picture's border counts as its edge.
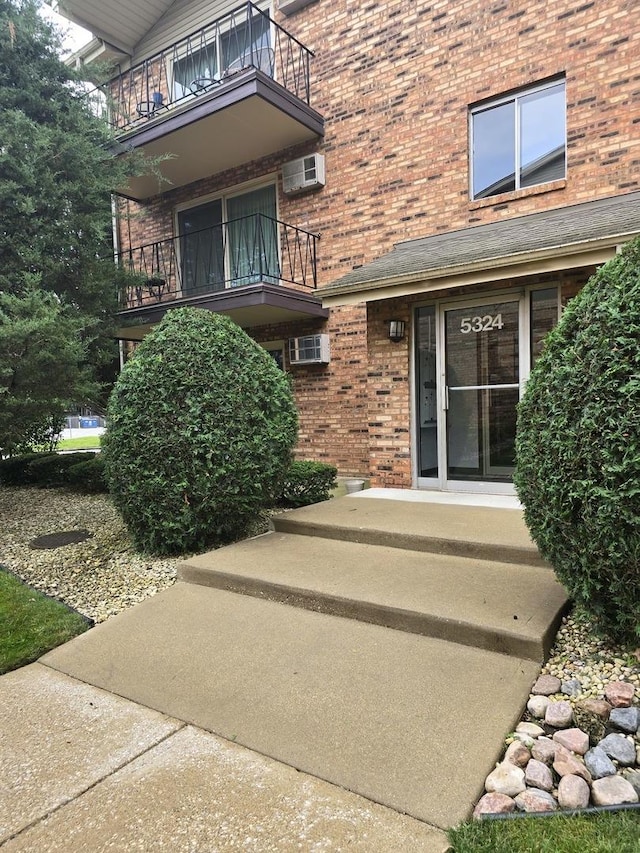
(396, 330)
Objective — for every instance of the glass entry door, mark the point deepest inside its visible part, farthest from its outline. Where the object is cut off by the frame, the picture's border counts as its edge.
(481, 390)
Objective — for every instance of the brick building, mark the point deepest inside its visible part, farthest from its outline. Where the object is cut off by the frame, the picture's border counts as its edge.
(396, 198)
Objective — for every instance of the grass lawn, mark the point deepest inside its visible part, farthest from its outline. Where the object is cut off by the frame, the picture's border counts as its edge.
(31, 623)
(610, 832)
(83, 442)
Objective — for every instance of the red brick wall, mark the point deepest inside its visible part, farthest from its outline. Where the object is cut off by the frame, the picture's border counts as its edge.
(394, 81)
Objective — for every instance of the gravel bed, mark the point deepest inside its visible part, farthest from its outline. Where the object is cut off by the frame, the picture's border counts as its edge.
(579, 654)
(98, 577)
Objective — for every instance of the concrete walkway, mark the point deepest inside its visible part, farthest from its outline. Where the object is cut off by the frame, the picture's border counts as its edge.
(363, 643)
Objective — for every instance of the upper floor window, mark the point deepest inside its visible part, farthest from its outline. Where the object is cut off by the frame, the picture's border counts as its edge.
(519, 141)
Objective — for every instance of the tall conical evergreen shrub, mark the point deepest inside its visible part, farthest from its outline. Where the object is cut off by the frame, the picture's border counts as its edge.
(578, 447)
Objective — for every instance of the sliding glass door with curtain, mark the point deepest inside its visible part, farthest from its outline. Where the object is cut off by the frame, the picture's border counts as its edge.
(229, 242)
(202, 248)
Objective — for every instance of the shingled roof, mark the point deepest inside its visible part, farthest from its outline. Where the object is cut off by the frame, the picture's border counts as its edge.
(616, 219)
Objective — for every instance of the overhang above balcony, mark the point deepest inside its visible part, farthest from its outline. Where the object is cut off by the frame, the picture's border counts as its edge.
(253, 305)
(245, 118)
(120, 22)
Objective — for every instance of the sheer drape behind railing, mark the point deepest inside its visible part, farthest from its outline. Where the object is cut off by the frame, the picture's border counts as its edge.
(246, 250)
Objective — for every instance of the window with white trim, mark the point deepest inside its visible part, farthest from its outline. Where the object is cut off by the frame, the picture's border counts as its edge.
(519, 141)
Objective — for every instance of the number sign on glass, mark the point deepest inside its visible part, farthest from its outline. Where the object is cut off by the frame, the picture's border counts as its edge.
(481, 324)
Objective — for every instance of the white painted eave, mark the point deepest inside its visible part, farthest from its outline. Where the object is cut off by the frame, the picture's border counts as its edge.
(122, 24)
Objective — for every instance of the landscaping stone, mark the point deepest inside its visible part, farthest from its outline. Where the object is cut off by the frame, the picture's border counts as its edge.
(619, 694)
(537, 706)
(534, 800)
(524, 738)
(571, 687)
(505, 779)
(620, 748)
(566, 764)
(633, 777)
(613, 791)
(559, 714)
(546, 685)
(626, 719)
(494, 803)
(598, 707)
(517, 753)
(544, 749)
(538, 775)
(573, 793)
(530, 729)
(599, 764)
(574, 739)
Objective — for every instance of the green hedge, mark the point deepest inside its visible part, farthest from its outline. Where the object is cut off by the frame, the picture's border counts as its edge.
(88, 475)
(16, 470)
(578, 448)
(308, 483)
(78, 471)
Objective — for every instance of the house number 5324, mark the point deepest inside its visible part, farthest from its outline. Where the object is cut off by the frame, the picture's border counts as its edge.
(481, 324)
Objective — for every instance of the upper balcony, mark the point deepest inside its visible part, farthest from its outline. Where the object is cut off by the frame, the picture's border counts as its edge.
(235, 90)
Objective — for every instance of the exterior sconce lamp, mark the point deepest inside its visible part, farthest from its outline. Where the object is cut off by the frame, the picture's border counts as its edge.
(396, 330)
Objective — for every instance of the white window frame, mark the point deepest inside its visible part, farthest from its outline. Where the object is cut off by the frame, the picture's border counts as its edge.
(516, 99)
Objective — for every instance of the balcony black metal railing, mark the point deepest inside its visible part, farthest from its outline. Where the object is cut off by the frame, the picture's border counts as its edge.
(233, 254)
(244, 38)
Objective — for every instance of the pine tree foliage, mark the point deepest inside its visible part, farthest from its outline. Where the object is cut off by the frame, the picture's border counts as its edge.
(57, 173)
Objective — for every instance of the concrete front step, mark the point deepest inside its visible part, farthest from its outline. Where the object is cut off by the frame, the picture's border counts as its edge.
(407, 721)
(511, 609)
(481, 532)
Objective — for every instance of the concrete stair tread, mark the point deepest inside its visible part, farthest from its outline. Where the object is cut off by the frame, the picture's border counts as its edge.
(482, 532)
(489, 604)
(405, 720)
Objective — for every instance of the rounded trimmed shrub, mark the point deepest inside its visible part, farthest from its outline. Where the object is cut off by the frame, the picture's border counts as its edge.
(201, 423)
(578, 448)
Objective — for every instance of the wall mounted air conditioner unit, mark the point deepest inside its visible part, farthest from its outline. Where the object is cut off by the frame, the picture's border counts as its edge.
(310, 349)
(304, 174)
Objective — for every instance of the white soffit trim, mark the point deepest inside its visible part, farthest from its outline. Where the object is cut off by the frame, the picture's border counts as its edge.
(119, 22)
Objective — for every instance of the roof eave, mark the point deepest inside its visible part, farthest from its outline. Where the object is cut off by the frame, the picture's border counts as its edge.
(581, 253)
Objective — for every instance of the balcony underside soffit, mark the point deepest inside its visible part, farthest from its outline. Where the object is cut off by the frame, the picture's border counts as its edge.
(255, 305)
(120, 22)
(244, 121)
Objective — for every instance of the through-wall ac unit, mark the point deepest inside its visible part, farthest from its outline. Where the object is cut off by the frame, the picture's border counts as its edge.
(310, 349)
(306, 173)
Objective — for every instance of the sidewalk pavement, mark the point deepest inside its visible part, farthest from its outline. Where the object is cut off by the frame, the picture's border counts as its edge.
(85, 771)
